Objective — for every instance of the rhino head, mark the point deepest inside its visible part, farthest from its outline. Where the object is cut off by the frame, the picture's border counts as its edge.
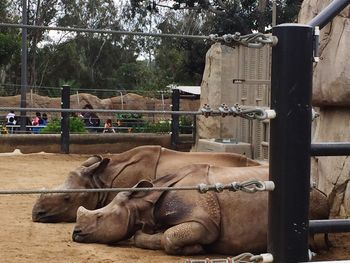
(117, 221)
(52, 208)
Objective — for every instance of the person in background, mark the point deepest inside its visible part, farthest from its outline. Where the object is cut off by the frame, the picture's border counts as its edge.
(9, 125)
(108, 127)
(90, 118)
(37, 120)
(45, 120)
(9, 115)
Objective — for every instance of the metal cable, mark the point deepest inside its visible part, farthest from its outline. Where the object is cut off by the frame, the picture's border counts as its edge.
(241, 258)
(250, 186)
(43, 88)
(103, 31)
(255, 40)
(235, 111)
(102, 111)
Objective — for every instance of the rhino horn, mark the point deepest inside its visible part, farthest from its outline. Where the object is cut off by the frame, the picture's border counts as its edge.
(81, 211)
(98, 166)
(92, 160)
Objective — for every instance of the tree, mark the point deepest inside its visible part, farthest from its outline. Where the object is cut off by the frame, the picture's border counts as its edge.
(229, 16)
(9, 45)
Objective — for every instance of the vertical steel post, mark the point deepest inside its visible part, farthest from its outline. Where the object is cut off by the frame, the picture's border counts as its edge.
(290, 139)
(24, 68)
(65, 104)
(175, 101)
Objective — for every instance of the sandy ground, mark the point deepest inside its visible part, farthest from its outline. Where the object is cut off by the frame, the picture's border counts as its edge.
(21, 240)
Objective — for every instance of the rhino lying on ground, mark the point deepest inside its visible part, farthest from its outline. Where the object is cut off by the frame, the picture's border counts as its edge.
(122, 170)
(187, 222)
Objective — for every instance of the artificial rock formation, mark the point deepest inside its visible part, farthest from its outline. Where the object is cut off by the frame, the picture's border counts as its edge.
(129, 101)
(217, 62)
(331, 93)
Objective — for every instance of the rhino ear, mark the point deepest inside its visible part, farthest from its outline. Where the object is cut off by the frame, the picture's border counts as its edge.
(141, 184)
(91, 160)
(95, 167)
(122, 197)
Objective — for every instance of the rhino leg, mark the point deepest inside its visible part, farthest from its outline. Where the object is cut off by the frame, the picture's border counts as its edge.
(187, 238)
(143, 240)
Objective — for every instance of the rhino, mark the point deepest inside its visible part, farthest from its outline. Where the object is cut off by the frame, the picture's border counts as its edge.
(188, 222)
(121, 170)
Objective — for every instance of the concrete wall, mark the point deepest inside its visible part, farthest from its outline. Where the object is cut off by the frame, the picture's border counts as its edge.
(80, 143)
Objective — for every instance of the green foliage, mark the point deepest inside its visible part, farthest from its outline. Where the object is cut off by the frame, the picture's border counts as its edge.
(76, 125)
(135, 76)
(186, 124)
(9, 46)
(154, 127)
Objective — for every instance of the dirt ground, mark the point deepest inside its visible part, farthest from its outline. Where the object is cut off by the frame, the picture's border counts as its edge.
(22, 240)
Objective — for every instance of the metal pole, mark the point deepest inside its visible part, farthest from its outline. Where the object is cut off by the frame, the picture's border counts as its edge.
(330, 149)
(175, 101)
(330, 226)
(328, 13)
(290, 139)
(274, 13)
(24, 68)
(65, 104)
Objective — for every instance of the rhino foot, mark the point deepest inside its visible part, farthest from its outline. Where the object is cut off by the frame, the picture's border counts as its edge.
(143, 240)
(187, 238)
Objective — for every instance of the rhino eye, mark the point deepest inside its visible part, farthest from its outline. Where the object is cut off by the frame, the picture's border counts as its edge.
(98, 216)
(66, 197)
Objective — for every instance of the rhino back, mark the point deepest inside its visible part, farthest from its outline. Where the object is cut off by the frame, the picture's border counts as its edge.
(128, 168)
(170, 160)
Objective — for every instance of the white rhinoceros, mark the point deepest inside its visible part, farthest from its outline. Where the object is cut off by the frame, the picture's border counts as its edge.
(188, 222)
(121, 170)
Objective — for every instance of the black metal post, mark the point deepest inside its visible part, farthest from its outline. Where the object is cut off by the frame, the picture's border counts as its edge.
(175, 101)
(327, 14)
(65, 104)
(330, 149)
(24, 70)
(330, 226)
(290, 139)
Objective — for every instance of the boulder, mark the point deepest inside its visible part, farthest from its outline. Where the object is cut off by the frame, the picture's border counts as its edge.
(332, 74)
(128, 101)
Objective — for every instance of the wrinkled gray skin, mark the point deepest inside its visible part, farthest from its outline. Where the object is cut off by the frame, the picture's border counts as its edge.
(122, 170)
(187, 222)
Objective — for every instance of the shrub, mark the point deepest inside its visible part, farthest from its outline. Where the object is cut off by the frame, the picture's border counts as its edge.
(76, 125)
(157, 127)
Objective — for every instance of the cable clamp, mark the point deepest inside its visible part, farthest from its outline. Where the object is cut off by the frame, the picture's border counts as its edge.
(224, 110)
(206, 110)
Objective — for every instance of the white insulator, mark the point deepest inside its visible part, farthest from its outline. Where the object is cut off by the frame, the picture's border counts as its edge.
(267, 258)
(311, 254)
(317, 30)
(270, 114)
(314, 114)
(269, 186)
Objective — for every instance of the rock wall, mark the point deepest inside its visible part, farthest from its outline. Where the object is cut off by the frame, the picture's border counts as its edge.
(218, 61)
(331, 93)
(332, 73)
(129, 101)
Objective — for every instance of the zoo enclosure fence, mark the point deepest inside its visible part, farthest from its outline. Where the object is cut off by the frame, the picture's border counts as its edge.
(288, 204)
